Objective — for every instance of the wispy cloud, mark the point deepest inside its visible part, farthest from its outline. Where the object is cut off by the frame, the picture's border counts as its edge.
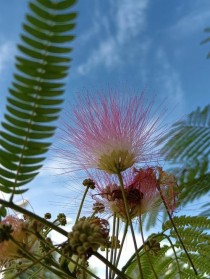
(7, 51)
(105, 54)
(170, 82)
(190, 23)
(129, 19)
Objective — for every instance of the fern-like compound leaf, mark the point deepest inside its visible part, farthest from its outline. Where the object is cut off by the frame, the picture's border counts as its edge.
(35, 97)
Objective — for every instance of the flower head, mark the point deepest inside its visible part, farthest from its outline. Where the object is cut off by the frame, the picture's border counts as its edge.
(141, 192)
(110, 133)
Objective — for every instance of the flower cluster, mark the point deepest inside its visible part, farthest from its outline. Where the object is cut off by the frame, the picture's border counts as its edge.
(87, 235)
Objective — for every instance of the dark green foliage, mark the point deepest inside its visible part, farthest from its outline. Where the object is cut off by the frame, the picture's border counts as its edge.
(35, 97)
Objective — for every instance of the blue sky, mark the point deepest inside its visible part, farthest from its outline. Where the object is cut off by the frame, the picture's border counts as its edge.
(145, 44)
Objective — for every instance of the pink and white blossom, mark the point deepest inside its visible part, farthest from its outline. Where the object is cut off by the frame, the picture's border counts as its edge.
(110, 133)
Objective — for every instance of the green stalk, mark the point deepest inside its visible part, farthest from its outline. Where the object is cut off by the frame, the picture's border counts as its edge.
(112, 250)
(115, 247)
(130, 224)
(116, 240)
(107, 269)
(175, 229)
(79, 212)
(81, 204)
(121, 245)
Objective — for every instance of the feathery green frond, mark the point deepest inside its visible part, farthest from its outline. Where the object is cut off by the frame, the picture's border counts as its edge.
(200, 222)
(35, 96)
(189, 138)
(194, 181)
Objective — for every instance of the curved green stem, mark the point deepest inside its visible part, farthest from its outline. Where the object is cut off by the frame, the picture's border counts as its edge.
(130, 224)
(175, 229)
(81, 204)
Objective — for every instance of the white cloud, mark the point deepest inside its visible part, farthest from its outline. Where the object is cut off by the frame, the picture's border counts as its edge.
(170, 82)
(7, 51)
(106, 54)
(129, 20)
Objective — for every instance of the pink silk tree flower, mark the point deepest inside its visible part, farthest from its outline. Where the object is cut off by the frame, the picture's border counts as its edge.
(141, 192)
(110, 133)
